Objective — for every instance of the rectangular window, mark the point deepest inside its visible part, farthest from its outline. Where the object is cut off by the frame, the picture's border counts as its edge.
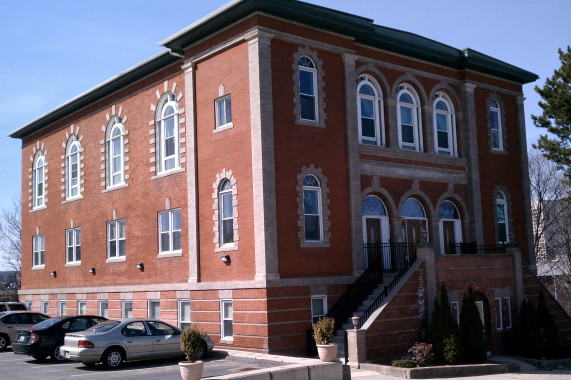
(307, 98)
(169, 231)
(223, 107)
(226, 317)
(507, 313)
(104, 309)
(184, 314)
(155, 309)
(45, 307)
(127, 309)
(311, 205)
(499, 319)
(116, 239)
(318, 308)
(29, 305)
(455, 311)
(81, 307)
(39, 249)
(62, 308)
(480, 306)
(73, 238)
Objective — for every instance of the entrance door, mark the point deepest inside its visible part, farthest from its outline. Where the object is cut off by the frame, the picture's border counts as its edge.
(413, 228)
(373, 231)
(449, 235)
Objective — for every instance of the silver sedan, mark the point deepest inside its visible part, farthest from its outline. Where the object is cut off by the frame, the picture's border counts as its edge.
(114, 341)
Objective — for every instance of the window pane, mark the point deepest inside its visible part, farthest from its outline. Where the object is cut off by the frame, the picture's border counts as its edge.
(112, 231)
(121, 247)
(368, 127)
(69, 254)
(310, 202)
(104, 309)
(176, 241)
(500, 213)
(78, 253)
(366, 90)
(442, 140)
(228, 107)
(406, 115)
(127, 310)
(407, 134)
(228, 232)
(165, 223)
(185, 311)
(121, 225)
(112, 248)
(155, 310)
(307, 104)
(312, 232)
(306, 82)
(441, 106)
(227, 310)
(165, 242)
(228, 331)
(441, 122)
(227, 205)
(317, 307)
(176, 220)
(367, 109)
(494, 120)
(405, 98)
(502, 236)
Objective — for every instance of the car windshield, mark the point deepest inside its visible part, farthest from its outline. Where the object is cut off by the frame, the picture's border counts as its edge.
(103, 326)
(17, 306)
(47, 323)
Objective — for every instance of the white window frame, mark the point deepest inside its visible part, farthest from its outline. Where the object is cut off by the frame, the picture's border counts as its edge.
(499, 319)
(504, 204)
(29, 305)
(62, 308)
(103, 311)
(480, 307)
(39, 251)
(455, 307)
(113, 256)
(124, 303)
(150, 309)
(317, 190)
(45, 307)
(114, 170)
(168, 100)
(81, 303)
(182, 322)
(223, 318)
(508, 302)
(75, 244)
(171, 231)
(497, 110)
(39, 181)
(222, 195)
(313, 71)
(220, 108)
(417, 145)
(378, 111)
(452, 150)
(73, 183)
(315, 316)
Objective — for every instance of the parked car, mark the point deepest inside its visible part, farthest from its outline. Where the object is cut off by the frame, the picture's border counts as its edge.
(114, 341)
(11, 321)
(12, 306)
(46, 338)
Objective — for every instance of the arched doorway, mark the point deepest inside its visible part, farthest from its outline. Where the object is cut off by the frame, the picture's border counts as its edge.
(450, 228)
(375, 230)
(414, 222)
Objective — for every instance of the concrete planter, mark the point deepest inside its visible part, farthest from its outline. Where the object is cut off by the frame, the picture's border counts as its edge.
(327, 352)
(191, 371)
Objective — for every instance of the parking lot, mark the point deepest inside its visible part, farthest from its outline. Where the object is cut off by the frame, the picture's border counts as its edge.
(14, 366)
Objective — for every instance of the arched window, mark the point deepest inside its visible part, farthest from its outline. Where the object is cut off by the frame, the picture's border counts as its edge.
(502, 218)
(450, 228)
(409, 119)
(375, 231)
(372, 205)
(225, 213)
(167, 121)
(38, 180)
(307, 89)
(495, 120)
(72, 168)
(312, 209)
(115, 153)
(414, 222)
(370, 111)
(444, 126)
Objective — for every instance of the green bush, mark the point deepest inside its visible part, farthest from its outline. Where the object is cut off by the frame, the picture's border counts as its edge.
(443, 331)
(323, 330)
(452, 349)
(191, 343)
(472, 335)
(403, 363)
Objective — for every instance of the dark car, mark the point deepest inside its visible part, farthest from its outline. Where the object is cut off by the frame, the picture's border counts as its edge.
(46, 338)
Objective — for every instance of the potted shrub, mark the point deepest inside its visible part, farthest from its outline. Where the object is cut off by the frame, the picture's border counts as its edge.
(323, 335)
(191, 346)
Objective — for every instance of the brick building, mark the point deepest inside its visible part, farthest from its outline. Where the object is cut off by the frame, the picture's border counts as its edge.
(244, 178)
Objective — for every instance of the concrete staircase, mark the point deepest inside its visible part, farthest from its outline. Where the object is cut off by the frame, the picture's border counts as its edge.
(348, 325)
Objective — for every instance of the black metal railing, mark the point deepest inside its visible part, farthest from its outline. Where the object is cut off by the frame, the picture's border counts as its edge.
(393, 256)
(475, 249)
(380, 299)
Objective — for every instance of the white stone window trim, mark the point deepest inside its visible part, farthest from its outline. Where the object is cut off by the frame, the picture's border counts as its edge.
(416, 112)
(319, 85)
(116, 259)
(170, 252)
(325, 213)
(168, 99)
(74, 199)
(379, 118)
(168, 173)
(220, 178)
(452, 150)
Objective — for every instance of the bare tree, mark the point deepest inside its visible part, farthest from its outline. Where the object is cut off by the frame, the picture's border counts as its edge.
(11, 237)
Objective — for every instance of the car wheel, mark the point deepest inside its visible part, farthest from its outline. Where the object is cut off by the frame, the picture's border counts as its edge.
(40, 357)
(57, 354)
(4, 342)
(113, 358)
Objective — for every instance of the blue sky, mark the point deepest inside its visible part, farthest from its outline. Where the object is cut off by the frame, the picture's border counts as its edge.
(53, 51)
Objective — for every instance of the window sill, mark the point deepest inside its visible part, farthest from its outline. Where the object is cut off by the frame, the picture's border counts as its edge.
(69, 200)
(314, 244)
(73, 264)
(310, 123)
(39, 208)
(223, 128)
(116, 187)
(38, 267)
(116, 260)
(169, 254)
(226, 248)
(227, 340)
(167, 173)
(498, 151)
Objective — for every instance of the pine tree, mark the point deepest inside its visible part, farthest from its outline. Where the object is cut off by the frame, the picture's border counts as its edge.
(472, 335)
(548, 330)
(528, 340)
(444, 331)
(556, 117)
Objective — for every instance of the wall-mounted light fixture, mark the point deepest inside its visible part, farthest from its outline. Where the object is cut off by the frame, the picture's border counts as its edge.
(92, 270)
(225, 258)
(140, 266)
(53, 273)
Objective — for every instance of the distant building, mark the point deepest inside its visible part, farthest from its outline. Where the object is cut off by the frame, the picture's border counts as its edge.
(246, 178)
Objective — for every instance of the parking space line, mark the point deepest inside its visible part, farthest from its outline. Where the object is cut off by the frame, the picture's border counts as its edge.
(121, 371)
